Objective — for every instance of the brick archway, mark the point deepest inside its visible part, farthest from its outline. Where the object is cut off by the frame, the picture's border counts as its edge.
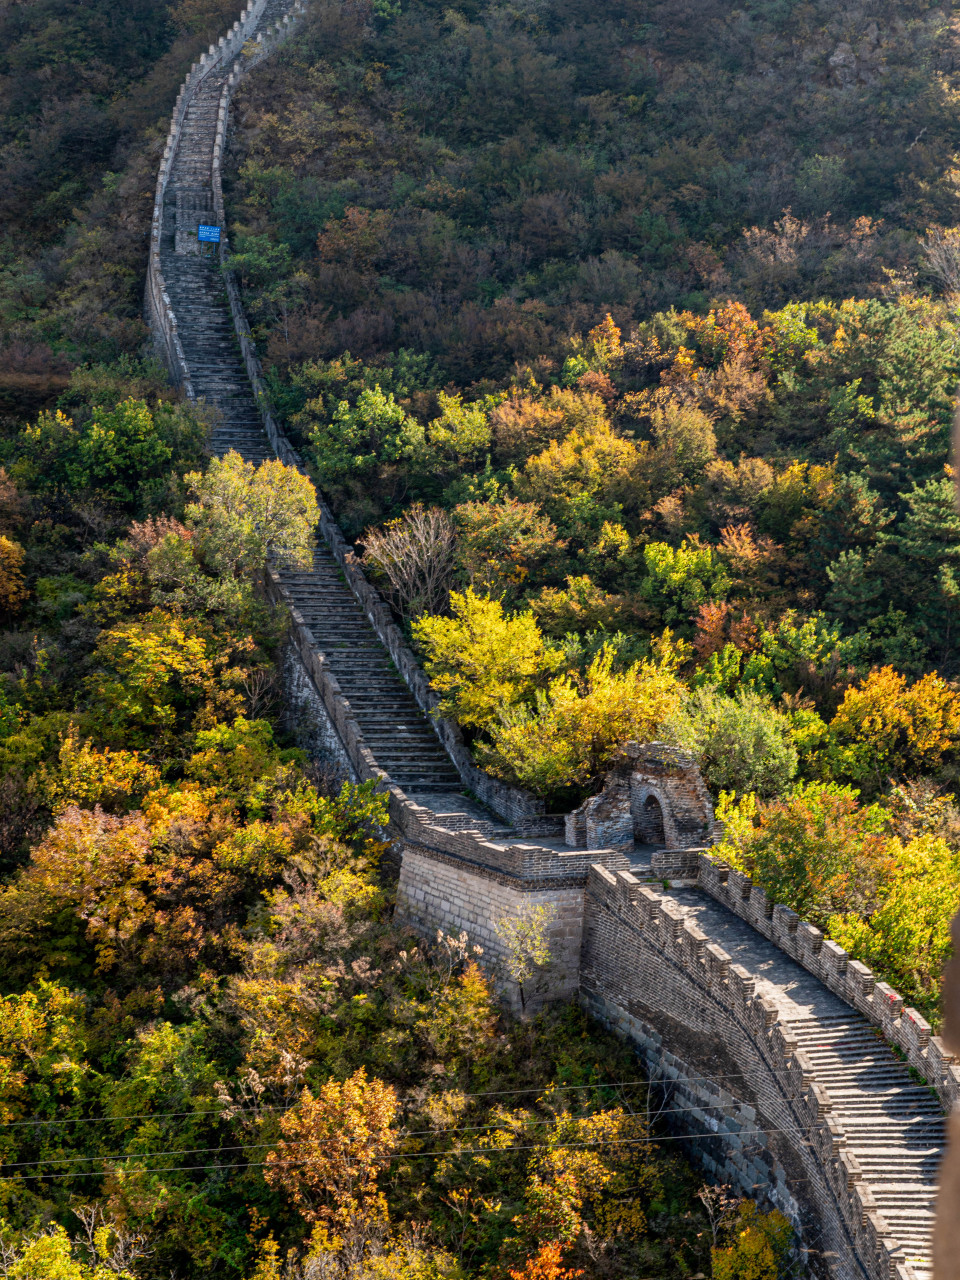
(648, 826)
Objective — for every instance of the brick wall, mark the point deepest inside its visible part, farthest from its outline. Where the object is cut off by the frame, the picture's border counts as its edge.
(644, 967)
(434, 895)
(307, 719)
(717, 1130)
(853, 981)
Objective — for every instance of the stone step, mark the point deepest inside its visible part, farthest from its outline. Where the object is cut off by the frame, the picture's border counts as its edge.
(394, 727)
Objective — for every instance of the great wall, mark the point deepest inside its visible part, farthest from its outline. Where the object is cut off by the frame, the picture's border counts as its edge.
(788, 1070)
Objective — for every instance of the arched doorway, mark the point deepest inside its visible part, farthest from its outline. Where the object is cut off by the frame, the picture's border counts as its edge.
(649, 824)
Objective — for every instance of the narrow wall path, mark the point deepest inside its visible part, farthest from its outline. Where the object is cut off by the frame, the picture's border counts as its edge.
(894, 1127)
(394, 727)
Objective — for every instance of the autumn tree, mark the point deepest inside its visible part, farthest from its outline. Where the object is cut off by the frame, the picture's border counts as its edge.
(575, 726)
(759, 1245)
(505, 546)
(416, 555)
(817, 850)
(482, 659)
(13, 592)
(244, 514)
(123, 453)
(887, 728)
(334, 1146)
(526, 944)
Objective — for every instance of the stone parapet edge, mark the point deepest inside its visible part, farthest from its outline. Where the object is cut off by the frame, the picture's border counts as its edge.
(903, 1027)
(685, 945)
(711, 1112)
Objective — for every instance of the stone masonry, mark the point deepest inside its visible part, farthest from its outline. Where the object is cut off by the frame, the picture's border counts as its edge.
(434, 894)
(780, 1062)
(654, 795)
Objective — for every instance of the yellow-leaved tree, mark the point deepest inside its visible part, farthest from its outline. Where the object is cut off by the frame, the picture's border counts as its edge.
(481, 659)
(243, 515)
(907, 937)
(333, 1147)
(12, 589)
(576, 726)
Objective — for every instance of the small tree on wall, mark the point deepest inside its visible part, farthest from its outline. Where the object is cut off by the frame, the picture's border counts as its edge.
(526, 947)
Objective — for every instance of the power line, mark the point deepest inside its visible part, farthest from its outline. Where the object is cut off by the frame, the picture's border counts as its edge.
(402, 1155)
(492, 1093)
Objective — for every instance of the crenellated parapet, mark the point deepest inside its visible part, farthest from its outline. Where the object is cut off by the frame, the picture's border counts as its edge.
(851, 980)
(650, 971)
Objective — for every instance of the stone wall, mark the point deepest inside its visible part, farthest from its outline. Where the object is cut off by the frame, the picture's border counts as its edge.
(644, 966)
(732, 1079)
(716, 1129)
(852, 981)
(157, 307)
(746, 1098)
(306, 718)
(447, 896)
(511, 803)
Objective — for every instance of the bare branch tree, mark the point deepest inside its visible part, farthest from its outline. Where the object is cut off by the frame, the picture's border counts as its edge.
(107, 1243)
(941, 249)
(416, 556)
(720, 1205)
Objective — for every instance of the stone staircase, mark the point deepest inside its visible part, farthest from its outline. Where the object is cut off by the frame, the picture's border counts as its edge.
(893, 1126)
(394, 728)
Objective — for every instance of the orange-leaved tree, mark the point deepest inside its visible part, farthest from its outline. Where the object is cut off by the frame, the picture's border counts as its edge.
(333, 1147)
(545, 1265)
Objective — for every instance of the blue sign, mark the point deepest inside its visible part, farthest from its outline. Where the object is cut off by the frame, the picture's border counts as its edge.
(208, 235)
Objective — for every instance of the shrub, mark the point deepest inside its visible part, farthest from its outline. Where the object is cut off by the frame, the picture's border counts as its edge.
(759, 1248)
(124, 453)
(482, 660)
(680, 580)
(743, 742)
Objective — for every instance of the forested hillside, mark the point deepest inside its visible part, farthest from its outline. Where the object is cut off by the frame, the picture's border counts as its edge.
(217, 1052)
(625, 343)
(85, 95)
(622, 339)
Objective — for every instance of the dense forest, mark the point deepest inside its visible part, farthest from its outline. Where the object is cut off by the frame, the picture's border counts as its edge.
(623, 341)
(638, 327)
